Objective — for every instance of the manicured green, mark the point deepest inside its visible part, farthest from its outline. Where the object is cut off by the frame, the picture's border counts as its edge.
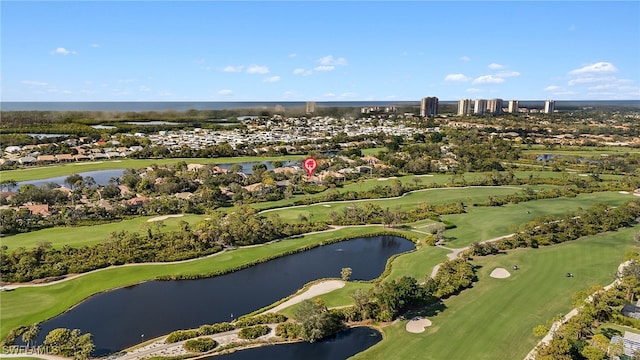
(494, 319)
(320, 212)
(484, 223)
(29, 305)
(91, 235)
(43, 172)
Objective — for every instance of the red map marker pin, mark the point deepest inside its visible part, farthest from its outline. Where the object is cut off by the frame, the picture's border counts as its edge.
(310, 164)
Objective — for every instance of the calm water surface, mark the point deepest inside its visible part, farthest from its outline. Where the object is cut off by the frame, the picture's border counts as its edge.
(118, 319)
(341, 346)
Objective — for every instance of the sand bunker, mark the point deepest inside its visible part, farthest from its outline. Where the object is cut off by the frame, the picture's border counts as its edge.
(623, 192)
(500, 273)
(417, 325)
(164, 217)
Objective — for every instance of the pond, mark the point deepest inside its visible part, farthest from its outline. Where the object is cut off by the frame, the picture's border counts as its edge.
(100, 176)
(118, 319)
(340, 346)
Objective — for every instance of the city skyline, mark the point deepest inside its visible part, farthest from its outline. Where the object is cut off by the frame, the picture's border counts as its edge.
(319, 51)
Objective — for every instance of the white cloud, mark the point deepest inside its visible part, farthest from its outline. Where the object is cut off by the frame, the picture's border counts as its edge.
(495, 66)
(465, 58)
(590, 79)
(324, 68)
(349, 95)
(303, 72)
(272, 79)
(329, 95)
(292, 55)
(488, 79)
(95, 45)
(456, 77)
(231, 68)
(34, 83)
(329, 60)
(599, 67)
(63, 51)
(504, 74)
(257, 69)
(473, 90)
(144, 88)
(552, 88)
(225, 92)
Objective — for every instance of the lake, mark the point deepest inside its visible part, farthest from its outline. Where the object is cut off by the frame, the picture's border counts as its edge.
(117, 319)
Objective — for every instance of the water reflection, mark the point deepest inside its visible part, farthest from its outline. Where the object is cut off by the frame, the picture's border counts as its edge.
(118, 318)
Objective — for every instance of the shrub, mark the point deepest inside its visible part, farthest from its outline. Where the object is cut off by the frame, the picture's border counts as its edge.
(215, 328)
(289, 330)
(269, 318)
(180, 335)
(254, 332)
(200, 345)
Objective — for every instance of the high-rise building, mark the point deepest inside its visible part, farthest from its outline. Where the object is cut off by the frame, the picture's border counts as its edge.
(480, 107)
(311, 107)
(464, 107)
(429, 106)
(494, 106)
(514, 106)
(549, 106)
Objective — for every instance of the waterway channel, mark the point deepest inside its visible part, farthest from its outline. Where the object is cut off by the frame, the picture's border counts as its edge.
(123, 317)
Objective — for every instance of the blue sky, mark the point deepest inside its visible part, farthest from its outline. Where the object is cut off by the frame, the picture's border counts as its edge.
(322, 51)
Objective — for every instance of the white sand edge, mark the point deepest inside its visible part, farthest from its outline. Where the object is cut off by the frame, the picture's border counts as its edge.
(164, 217)
(500, 273)
(313, 291)
(417, 325)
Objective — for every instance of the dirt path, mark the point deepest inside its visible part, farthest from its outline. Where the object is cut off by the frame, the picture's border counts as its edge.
(158, 347)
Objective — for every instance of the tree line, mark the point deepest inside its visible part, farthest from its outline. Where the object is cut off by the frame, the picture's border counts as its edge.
(236, 228)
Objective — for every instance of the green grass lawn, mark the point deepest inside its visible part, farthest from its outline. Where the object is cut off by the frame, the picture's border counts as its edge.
(320, 212)
(43, 172)
(483, 223)
(28, 305)
(91, 235)
(495, 318)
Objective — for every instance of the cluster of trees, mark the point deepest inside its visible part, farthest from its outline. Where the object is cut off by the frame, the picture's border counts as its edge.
(370, 213)
(547, 230)
(581, 336)
(240, 227)
(200, 345)
(389, 299)
(254, 332)
(61, 341)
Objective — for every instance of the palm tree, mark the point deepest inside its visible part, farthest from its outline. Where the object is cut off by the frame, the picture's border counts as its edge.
(30, 334)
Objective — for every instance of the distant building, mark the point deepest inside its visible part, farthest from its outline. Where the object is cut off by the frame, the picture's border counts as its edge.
(279, 109)
(549, 106)
(429, 106)
(513, 106)
(494, 106)
(378, 110)
(480, 107)
(464, 107)
(311, 107)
